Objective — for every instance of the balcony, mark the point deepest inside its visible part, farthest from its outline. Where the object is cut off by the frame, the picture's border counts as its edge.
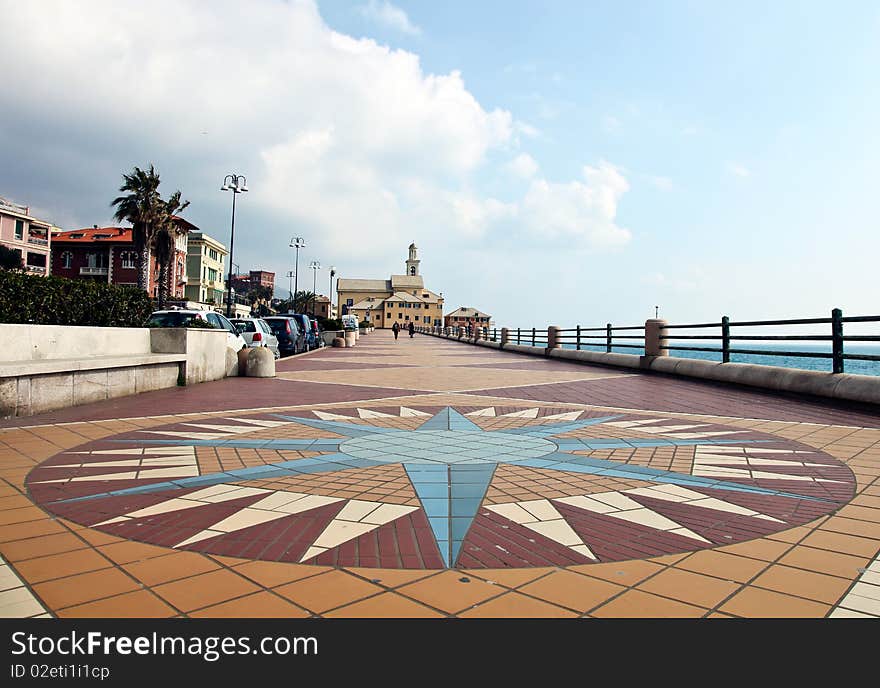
(92, 271)
(40, 270)
(38, 241)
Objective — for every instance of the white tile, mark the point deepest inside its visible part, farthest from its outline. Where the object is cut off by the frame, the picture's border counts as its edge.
(861, 604)
(19, 603)
(387, 513)
(866, 590)
(307, 503)
(338, 532)
(584, 502)
(276, 500)
(616, 499)
(541, 509)
(841, 613)
(512, 512)
(246, 518)
(8, 579)
(179, 472)
(488, 412)
(558, 531)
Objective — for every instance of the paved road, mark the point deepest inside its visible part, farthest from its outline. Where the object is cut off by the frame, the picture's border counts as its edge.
(423, 477)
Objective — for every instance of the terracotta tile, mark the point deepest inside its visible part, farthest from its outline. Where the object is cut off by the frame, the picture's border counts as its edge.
(390, 578)
(686, 586)
(625, 573)
(261, 605)
(19, 550)
(327, 591)
(273, 573)
(128, 551)
(230, 561)
(814, 586)
(838, 542)
(388, 605)
(509, 578)
(21, 515)
(448, 593)
(823, 561)
(205, 589)
(669, 559)
(96, 585)
(170, 567)
(96, 537)
(757, 603)
(61, 565)
(572, 590)
(140, 604)
(723, 565)
(513, 605)
(23, 531)
(764, 549)
(851, 526)
(642, 605)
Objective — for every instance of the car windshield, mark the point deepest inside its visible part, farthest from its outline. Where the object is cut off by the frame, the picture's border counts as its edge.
(170, 319)
(277, 325)
(244, 325)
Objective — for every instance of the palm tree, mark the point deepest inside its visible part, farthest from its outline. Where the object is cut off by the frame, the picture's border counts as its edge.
(164, 240)
(140, 206)
(301, 301)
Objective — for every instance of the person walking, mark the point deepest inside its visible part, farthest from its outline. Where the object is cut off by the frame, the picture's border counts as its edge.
(412, 329)
(395, 328)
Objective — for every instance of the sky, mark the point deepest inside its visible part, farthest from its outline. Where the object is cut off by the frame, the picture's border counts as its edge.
(560, 162)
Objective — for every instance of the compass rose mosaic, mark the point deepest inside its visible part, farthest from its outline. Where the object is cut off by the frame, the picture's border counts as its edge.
(442, 487)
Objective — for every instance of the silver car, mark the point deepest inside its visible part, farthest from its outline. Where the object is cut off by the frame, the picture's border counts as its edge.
(257, 333)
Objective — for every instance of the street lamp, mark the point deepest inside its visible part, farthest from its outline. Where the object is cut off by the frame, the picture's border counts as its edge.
(290, 285)
(297, 243)
(315, 266)
(330, 295)
(237, 183)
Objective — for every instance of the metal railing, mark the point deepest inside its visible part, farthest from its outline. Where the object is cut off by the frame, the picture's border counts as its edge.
(836, 336)
(607, 340)
(610, 338)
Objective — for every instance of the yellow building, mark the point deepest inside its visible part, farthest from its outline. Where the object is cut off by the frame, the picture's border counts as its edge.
(402, 298)
(205, 269)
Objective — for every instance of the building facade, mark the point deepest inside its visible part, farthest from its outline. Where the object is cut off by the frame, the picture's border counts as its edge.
(107, 254)
(464, 316)
(29, 237)
(402, 298)
(205, 269)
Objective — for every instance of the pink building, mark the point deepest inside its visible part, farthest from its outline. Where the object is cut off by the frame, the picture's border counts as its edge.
(26, 235)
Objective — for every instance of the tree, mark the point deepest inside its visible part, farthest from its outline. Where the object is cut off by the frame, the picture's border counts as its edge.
(141, 207)
(9, 259)
(164, 241)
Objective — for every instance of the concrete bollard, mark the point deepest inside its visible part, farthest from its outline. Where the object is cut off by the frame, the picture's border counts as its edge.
(242, 360)
(339, 342)
(654, 330)
(350, 339)
(231, 363)
(553, 337)
(260, 362)
(505, 336)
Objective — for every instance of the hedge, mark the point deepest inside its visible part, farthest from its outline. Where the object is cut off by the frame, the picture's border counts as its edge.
(59, 301)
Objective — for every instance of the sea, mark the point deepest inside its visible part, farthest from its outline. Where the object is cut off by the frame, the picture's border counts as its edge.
(856, 367)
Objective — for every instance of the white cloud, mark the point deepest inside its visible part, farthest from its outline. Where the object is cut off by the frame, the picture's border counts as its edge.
(523, 165)
(738, 170)
(345, 141)
(387, 15)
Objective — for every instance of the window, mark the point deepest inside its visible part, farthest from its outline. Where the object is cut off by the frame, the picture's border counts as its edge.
(66, 260)
(400, 315)
(406, 317)
(96, 260)
(36, 260)
(412, 270)
(19, 229)
(128, 259)
(427, 319)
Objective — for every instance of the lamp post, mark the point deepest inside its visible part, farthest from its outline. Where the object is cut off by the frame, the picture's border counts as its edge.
(290, 285)
(297, 243)
(237, 183)
(315, 266)
(330, 295)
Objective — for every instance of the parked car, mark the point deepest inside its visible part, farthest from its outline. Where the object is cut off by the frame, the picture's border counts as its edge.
(291, 338)
(257, 333)
(306, 326)
(179, 317)
(316, 329)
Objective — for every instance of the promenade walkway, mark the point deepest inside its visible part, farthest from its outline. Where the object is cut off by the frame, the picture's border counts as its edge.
(424, 477)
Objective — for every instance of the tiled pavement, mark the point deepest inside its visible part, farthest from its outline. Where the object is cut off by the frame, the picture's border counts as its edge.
(344, 486)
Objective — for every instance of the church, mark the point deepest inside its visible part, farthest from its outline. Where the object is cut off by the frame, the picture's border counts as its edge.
(402, 298)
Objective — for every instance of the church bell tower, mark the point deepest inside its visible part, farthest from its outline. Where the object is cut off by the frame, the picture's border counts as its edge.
(412, 265)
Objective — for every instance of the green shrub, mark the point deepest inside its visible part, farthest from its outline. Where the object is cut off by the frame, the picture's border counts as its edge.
(59, 301)
(328, 323)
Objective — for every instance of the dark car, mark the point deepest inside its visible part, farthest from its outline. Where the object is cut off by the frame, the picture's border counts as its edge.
(305, 325)
(291, 339)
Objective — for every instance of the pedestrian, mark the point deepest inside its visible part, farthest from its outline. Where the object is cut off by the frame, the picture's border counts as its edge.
(395, 328)
(412, 329)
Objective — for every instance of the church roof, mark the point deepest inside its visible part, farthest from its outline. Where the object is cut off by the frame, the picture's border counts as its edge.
(363, 285)
(407, 282)
(368, 303)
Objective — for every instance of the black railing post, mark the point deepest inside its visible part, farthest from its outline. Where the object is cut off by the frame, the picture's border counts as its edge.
(517, 335)
(837, 341)
(725, 339)
(533, 336)
(579, 338)
(608, 338)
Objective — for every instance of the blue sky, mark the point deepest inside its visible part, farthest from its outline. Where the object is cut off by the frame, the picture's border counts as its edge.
(730, 148)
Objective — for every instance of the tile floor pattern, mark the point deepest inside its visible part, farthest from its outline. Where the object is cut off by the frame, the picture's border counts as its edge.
(348, 485)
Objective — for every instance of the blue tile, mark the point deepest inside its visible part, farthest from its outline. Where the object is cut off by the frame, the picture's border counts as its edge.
(460, 527)
(460, 491)
(433, 490)
(465, 507)
(436, 507)
(440, 527)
